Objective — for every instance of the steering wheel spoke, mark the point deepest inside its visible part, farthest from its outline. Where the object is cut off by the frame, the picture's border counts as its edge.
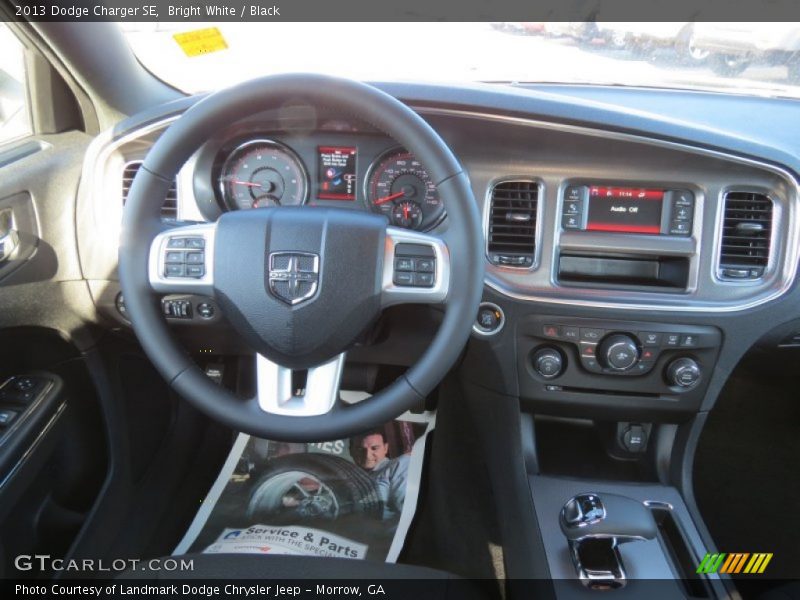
(278, 391)
(416, 268)
(182, 260)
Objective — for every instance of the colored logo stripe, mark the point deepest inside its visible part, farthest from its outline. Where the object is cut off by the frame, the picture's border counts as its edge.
(734, 563)
(711, 563)
(758, 563)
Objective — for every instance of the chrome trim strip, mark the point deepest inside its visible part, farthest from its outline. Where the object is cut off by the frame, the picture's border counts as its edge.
(792, 251)
(276, 396)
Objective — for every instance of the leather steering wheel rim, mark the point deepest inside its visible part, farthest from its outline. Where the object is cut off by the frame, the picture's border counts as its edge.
(141, 224)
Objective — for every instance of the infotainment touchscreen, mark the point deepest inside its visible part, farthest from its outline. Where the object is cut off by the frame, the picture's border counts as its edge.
(337, 173)
(625, 210)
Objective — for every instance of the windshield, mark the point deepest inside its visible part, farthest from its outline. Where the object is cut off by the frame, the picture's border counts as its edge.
(752, 58)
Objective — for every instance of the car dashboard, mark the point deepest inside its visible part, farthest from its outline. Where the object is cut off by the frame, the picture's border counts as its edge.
(615, 256)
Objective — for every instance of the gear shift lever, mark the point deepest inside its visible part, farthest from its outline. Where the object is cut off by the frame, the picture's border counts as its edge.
(595, 526)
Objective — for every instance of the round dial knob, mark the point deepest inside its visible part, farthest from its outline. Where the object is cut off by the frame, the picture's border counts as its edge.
(683, 372)
(618, 352)
(548, 363)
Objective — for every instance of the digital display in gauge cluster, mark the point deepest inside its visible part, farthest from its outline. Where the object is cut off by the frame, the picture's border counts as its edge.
(337, 173)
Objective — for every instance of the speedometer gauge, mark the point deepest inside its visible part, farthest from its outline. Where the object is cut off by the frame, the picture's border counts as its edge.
(263, 173)
(400, 188)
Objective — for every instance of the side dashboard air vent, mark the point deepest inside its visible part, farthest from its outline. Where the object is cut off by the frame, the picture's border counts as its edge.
(746, 235)
(169, 210)
(512, 223)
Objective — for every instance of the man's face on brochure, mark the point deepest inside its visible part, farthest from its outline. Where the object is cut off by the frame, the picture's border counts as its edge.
(375, 450)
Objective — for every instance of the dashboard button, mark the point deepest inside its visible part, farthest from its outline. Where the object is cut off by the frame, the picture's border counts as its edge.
(683, 198)
(591, 335)
(205, 310)
(572, 207)
(650, 339)
(689, 341)
(7, 416)
(570, 333)
(672, 339)
(648, 354)
(551, 331)
(588, 349)
(571, 222)
(682, 213)
(680, 227)
(574, 193)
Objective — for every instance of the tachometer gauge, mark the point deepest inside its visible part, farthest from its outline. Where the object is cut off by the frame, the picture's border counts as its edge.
(399, 187)
(263, 173)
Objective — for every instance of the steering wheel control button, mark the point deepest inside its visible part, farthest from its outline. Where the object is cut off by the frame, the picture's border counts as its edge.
(548, 363)
(423, 279)
(195, 271)
(414, 266)
(205, 310)
(405, 264)
(176, 242)
(618, 352)
(174, 257)
(196, 258)
(175, 270)
(404, 278)
(683, 373)
(426, 265)
(195, 243)
(490, 319)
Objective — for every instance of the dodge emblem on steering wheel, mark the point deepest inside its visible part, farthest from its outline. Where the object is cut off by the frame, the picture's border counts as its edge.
(293, 276)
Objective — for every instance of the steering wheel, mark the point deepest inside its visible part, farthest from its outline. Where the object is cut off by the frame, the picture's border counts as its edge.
(299, 284)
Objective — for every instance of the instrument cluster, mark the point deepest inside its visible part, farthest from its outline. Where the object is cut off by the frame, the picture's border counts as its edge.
(347, 171)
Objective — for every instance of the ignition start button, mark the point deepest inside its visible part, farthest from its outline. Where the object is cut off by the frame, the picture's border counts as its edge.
(490, 319)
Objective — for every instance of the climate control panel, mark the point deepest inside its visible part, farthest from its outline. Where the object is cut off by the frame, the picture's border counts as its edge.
(621, 363)
(619, 349)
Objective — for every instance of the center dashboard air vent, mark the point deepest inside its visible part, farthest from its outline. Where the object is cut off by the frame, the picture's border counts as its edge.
(746, 235)
(512, 223)
(169, 210)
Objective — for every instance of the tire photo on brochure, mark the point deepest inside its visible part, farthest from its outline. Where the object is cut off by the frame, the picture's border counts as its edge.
(312, 486)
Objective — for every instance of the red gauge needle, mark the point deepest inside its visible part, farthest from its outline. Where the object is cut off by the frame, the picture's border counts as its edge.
(388, 198)
(247, 183)
(405, 212)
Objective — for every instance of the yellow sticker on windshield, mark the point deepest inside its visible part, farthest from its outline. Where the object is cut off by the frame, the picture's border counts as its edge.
(201, 41)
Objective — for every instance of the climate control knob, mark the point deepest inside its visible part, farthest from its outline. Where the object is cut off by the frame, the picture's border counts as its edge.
(548, 362)
(683, 372)
(618, 352)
